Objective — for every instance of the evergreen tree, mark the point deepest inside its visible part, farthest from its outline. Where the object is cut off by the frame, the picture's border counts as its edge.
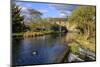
(17, 19)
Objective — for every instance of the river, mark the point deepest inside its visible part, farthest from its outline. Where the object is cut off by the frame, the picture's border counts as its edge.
(45, 49)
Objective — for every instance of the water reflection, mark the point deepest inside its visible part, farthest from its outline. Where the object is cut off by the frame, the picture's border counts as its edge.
(38, 50)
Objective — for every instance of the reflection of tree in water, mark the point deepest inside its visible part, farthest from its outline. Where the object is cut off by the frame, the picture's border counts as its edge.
(15, 48)
(16, 43)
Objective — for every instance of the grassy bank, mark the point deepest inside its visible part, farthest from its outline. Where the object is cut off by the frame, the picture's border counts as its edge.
(75, 39)
(32, 34)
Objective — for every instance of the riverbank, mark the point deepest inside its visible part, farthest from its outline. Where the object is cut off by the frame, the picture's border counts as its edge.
(75, 40)
(33, 34)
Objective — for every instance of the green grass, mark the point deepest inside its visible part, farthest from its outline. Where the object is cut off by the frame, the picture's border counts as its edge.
(17, 34)
(31, 34)
(73, 38)
(73, 47)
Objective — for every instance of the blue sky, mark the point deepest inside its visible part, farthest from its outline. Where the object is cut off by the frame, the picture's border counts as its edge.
(48, 10)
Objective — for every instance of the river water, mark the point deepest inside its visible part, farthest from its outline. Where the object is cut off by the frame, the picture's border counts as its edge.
(45, 49)
(38, 50)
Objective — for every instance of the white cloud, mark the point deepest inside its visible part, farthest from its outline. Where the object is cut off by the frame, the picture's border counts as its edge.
(51, 7)
(62, 15)
(68, 12)
(64, 6)
(24, 8)
(43, 10)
